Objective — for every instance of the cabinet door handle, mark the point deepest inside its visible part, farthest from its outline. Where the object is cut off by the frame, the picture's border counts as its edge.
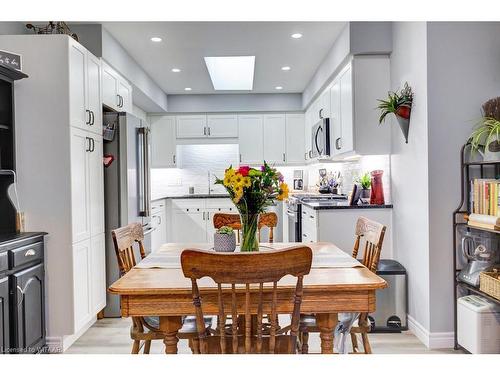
(338, 143)
(209, 131)
(312, 217)
(320, 114)
(92, 117)
(88, 116)
(121, 101)
(305, 155)
(240, 158)
(87, 140)
(173, 158)
(205, 130)
(284, 157)
(118, 97)
(203, 216)
(208, 215)
(304, 235)
(30, 253)
(93, 145)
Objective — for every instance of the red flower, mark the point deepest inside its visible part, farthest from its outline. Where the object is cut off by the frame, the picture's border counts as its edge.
(243, 170)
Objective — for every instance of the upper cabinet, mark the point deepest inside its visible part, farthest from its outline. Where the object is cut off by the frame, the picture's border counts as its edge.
(222, 126)
(207, 126)
(275, 138)
(163, 145)
(116, 91)
(251, 138)
(294, 134)
(85, 89)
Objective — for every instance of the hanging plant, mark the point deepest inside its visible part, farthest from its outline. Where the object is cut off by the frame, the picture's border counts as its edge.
(400, 104)
(486, 135)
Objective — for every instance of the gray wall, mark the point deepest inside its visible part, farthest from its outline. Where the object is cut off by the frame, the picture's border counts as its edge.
(13, 28)
(409, 168)
(463, 73)
(234, 102)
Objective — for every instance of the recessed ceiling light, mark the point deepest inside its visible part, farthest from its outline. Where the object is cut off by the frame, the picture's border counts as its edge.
(296, 36)
(231, 72)
(187, 89)
(156, 39)
(279, 88)
(285, 68)
(176, 70)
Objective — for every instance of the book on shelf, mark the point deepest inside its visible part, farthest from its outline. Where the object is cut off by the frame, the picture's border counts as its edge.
(485, 197)
(484, 221)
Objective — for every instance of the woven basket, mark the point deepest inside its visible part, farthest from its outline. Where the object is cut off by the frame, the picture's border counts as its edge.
(490, 284)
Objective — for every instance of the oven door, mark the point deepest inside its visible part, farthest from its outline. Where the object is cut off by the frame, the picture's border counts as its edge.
(294, 226)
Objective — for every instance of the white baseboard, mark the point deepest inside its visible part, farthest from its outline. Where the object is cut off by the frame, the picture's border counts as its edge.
(59, 344)
(433, 340)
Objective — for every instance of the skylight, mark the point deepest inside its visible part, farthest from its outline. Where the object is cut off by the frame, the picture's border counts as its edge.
(231, 72)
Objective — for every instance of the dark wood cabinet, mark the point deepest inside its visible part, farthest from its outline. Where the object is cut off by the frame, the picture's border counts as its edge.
(4, 315)
(28, 314)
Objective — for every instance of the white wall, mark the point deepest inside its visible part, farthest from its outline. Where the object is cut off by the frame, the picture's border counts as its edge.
(234, 102)
(409, 168)
(463, 73)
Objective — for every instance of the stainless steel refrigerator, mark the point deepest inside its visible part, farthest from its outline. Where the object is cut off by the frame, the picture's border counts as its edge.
(127, 187)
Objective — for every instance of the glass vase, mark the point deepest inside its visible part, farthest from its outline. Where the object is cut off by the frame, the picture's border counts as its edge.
(377, 193)
(249, 227)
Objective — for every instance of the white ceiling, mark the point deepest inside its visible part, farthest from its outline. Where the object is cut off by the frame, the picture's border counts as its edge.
(185, 44)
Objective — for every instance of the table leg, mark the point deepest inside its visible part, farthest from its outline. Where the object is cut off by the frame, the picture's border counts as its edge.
(170, 325)
(326, 324)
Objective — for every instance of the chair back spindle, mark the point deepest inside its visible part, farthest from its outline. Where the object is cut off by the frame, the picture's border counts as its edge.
(371, 234)
(241, 273)
(124, 239)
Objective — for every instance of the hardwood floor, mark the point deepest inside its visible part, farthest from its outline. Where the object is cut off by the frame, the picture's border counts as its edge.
(112, 336)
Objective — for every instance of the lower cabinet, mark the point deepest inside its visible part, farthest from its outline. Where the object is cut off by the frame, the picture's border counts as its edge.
(159, 224)
(28, 312)
(4, 315)
(192, 219)
(89, 279)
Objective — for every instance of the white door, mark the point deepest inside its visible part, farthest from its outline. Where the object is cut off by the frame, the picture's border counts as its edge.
(335, 118)
(79, 116)
(163, 145)
(96, 183)
(94, 101)
(294, 141)
(97, 274)
(80, 147)
(324, 104)
(81, 284)
(250, 139)
(109, 87)
(191, 126)
(275, 138)
(189, 225)
(346, 110)
(222, 126)
(125, 96)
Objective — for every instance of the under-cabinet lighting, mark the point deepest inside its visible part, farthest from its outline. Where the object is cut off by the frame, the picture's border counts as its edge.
(231, 72)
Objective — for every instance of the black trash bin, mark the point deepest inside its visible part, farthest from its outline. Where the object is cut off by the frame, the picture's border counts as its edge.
(392, 305)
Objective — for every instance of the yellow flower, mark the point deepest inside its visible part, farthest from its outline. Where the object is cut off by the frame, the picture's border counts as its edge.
(247, 182)
(227, 180)
(283, 192)
(237, 179)
(238, 193)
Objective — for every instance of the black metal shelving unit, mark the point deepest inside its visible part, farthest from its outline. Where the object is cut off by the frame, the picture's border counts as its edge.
(468, 171)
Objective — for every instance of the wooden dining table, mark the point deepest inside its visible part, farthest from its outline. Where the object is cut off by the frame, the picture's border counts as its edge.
(336, 283)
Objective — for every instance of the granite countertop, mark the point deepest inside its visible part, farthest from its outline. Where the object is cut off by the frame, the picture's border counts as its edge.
(191, 196)
(336, 205)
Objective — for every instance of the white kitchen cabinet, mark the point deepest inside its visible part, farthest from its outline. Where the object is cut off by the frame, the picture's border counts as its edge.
(294, 142)
(163, 144)
(335, 118)
(345, 142)
(275, 138)
(159, 224)
(323, 106)
(85, 89)
(307, 134)
(97, 273)
(80, 184)
(116, 91)
(82, 303)
(251, 142)
(222, 126)
(309, 225)
(60, 164)
(191, 126)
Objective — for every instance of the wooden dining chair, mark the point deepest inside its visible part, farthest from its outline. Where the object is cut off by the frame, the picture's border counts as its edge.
(145, 329)
(267, 219)
(234, 273)
(369, 236)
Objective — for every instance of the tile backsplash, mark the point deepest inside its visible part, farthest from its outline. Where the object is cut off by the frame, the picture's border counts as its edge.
(199, 164)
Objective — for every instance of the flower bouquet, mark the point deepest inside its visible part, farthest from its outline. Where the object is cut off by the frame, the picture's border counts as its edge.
(252, 190)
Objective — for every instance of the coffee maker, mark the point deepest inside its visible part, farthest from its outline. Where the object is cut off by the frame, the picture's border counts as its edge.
(298, 179)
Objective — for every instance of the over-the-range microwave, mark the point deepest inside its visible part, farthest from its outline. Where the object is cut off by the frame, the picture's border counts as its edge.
(320, 139)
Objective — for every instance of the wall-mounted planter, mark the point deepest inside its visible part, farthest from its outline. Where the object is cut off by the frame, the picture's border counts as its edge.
(399, 103)
(404, 124)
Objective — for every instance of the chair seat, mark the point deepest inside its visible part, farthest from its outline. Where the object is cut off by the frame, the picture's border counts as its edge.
(188, 323)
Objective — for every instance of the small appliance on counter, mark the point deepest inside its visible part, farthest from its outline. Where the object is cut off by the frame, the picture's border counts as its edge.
(298, 179)
(481, 250)
(478, 325)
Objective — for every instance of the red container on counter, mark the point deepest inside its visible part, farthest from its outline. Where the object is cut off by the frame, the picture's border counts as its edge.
(377, 194)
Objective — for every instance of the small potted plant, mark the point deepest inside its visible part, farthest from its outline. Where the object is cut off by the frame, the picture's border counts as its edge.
(365, 181)
(400, 104)
(224, 239)
(486, 136)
